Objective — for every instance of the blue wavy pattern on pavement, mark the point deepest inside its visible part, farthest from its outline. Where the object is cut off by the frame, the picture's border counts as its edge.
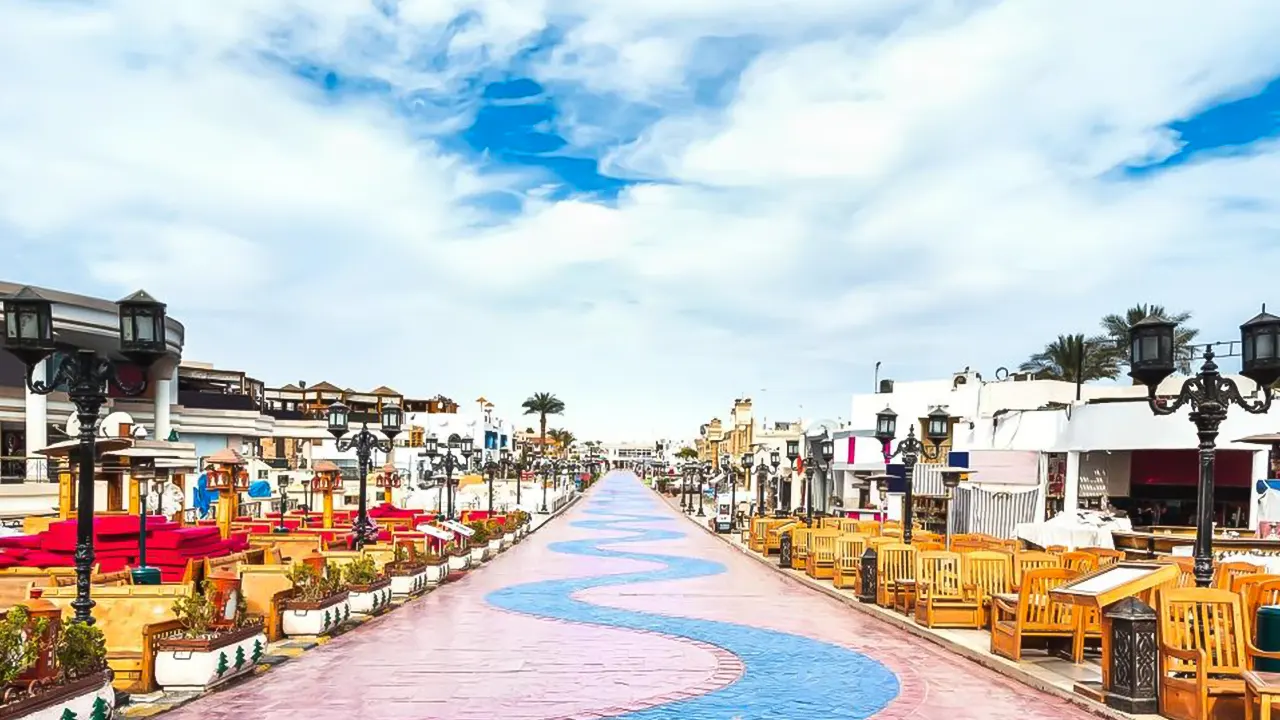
(786, 677)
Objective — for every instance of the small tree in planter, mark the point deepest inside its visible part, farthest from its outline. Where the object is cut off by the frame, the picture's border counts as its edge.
(47, 670)
(196, 654)
(370, 589)
(408, 572)
(458, 557)
(497, 538)
(319, 602)
(479, 542)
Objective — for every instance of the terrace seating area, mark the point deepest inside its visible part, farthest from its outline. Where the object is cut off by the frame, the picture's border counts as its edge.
(996, 598)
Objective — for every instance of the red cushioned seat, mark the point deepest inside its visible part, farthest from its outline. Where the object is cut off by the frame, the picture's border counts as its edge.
(184, 536)
(31, 542)
(40, 558)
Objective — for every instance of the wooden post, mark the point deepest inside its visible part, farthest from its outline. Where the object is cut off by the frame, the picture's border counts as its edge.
(66, 493)
(226, 512)
(328, 509)
(134, 501)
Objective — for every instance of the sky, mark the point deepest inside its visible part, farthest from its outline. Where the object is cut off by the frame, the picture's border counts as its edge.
(646, 208)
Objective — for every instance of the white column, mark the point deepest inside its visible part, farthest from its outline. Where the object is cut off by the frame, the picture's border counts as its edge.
(1071, 490)
(160, 412)
(1261, 471)
(37, 426)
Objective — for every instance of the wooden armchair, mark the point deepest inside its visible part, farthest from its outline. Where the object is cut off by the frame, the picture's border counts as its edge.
(1225, 573)
(800, 547)
(943, 598)
(1105, 556)
(820, 559)
(1028, 560)
(1034, 614)
(990, 573)
(1079, 562)
(895, 570)
(1203, 652)
(848, 570)
(773, 536)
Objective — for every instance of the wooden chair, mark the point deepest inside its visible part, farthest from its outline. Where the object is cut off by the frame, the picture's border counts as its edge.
(1028, 560)
(800, 547)
(943, 597)
(1246, 586)
(1105, 556)
(895, 569)
(928, 546)
(1263, 593)
(1034, 615)
(870, 528)
(1186, 565)
(1203, 651)
(1056, 549)
(820, 559)
(773, 536)
(990, 573)
(848, 569)
(1079, 562)
(1225, 573)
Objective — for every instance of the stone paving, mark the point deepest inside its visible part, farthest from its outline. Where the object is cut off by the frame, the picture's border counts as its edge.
(621, 608)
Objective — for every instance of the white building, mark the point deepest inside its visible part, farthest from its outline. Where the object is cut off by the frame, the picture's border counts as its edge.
(1022, 435)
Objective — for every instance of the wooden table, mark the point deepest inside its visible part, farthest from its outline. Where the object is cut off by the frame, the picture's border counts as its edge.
(1262, 688)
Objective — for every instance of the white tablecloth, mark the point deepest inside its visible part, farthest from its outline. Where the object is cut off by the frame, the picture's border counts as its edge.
(1073, 532)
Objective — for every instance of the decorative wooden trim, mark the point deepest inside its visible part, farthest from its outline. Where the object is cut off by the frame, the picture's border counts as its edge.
(371, 587)
(209, 644)
(55, 695)
(322, 604)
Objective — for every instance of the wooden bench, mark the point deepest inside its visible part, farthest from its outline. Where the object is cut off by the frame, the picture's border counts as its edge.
(944, 597)
(990, 574)
(773, 537)
(292, 546)
(820, 557)
(848, 569)
(1204, 653)
(123, 612)
(895, 569)
(800, 547)
(117, 578)
(264, 586)
(1031, 614)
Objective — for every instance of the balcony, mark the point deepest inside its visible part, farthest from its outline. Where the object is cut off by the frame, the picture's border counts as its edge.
(216, 401)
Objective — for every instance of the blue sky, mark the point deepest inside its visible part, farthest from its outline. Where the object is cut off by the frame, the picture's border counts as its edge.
(652, 206)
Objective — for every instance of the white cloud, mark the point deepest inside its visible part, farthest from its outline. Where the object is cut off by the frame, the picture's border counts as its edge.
(920, 183)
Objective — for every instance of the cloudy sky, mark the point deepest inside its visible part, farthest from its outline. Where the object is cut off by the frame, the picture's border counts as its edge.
(646, 207)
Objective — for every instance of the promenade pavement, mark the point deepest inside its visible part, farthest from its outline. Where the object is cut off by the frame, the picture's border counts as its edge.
(620, 608)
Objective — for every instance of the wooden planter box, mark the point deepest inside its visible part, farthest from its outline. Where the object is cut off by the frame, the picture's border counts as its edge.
(496, 546)
(459, 562)
(315, 618)
(81, 697)
(187, 664)
(479, 554)
(371, 598)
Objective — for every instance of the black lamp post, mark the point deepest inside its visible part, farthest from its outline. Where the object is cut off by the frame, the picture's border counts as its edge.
(306, 493)
(29, 336)
(364, 442)
(819, 462)
(748, 465)
(282, 482)
(703, 471)
(911, 449)
(144, 471)
(450, 461)
(1151, 360)
(730, 475)
(686, 473)
(491, 469)
(521, 464)
(793, 454)
(544, 469)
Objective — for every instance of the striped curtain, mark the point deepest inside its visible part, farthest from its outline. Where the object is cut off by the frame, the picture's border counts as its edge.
(992, 513)
(926, 481)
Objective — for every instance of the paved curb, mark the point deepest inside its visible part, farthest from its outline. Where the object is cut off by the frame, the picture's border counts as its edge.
(1003, 667)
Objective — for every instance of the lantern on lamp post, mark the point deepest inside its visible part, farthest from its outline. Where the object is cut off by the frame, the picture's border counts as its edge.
(937, 429)
(85, 376)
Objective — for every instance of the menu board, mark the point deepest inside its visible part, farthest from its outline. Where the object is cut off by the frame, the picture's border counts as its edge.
(459, 528)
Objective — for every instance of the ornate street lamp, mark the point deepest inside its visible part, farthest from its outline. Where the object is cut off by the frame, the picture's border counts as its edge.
(306, 494)
(748, 464)
(815, 463)
(544, 469)
(1151, 360)
(704, 469)
(491, 469)
(455, 457)
(937, 427)
(793, 454)
(282, 483)
(364, 442)
(29, 336)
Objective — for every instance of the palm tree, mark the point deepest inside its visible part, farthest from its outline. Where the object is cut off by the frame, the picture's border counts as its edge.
(543, 404)
(1074, 358)
(1117, 328)
(564, 438)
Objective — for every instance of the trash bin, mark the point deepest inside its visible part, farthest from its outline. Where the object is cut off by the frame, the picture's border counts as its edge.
(1268, 637)
(151, 576)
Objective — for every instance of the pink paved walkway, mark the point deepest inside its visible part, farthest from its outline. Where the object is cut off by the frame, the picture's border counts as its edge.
(450, 656)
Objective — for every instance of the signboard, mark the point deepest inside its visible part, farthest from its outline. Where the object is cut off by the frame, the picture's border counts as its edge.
(723, 523)
(784, 550)
(459, 528)
(435, 532)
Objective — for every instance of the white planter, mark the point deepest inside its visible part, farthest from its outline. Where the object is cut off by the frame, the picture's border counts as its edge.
(406, 585)
(508, 539)
(319, 620)
(479, 554)
(370, 601)
(437, 573)
(458, 563)
(495, 547)
(80, 705)
(197, 670)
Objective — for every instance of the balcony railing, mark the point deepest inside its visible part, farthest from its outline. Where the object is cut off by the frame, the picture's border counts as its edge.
(216, 401)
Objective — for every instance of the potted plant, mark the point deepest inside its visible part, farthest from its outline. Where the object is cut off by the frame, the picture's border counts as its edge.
(410, 574)
(459, 557)
(370, 589)
(51, 671)
(319, 602)
(479, 542)
(208, 648)
(497, 538)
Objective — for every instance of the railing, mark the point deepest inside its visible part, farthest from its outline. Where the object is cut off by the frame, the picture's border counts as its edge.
(216, 401)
